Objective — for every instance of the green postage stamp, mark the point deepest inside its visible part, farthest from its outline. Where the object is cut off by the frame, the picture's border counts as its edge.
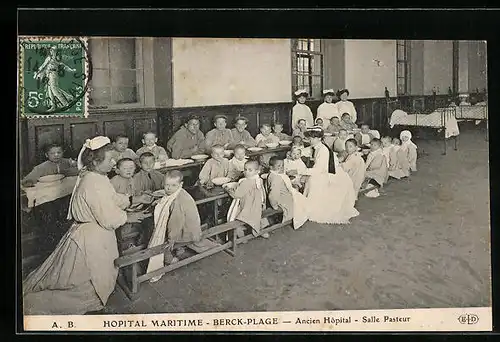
(54, 73)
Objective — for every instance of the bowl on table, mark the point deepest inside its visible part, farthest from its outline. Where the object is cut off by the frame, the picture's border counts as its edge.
(158, 193)
(272, 145)
(51, 178)
(285, 142)
(221, 180)
(254, 149)
(198, 157)
(230, 185)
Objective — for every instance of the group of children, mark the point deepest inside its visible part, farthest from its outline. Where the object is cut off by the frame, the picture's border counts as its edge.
(387, 158)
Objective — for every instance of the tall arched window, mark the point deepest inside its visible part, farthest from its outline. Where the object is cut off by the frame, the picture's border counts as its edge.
(307, 66)
(403, 67)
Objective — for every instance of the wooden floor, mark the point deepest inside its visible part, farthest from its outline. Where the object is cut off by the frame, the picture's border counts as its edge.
(423, 243)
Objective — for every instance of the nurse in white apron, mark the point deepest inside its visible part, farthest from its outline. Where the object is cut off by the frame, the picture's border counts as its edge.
(346, 106)
(327, 109)
(301, 110)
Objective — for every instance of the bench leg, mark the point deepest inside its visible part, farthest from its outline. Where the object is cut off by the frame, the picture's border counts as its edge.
(122, 282)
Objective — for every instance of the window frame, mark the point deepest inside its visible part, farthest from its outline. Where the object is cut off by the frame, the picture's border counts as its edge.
(310, 55)
(403, 61)
(139, 67)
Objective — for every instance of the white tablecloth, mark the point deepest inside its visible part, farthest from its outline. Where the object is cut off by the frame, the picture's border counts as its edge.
(47, 192)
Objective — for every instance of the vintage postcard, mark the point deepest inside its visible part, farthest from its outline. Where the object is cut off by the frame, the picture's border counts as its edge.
(254, 184)
(53, 76)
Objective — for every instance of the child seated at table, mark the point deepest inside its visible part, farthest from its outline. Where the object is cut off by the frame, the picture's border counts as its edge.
(347, 123)
(55, 164)
(334, 127)
(266, 136)
(409, 150)
(278, 132)
(120, 144)
(149, 140)
(376, 169)
(306, 152)
(282, 195)
(249, 199)
(215, 167)
(123, 182)
(147, 179)
(294, 166)
(301, 129)
(364, 137)
(237, 163)
(240, 135)
(353, 164)
(339, 143)
(176, 221)
(318, 122)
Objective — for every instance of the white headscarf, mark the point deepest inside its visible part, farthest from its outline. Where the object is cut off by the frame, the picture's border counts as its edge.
(406, 134)
(92, 144)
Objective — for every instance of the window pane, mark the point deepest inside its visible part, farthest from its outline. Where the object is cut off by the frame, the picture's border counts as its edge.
(100, 78)
(98, 50)
(317, 87)
(401, 86)
(122, 53)
(316, 69)
(401, 70)
(100, 96)
(122, 95)
(401, 52)
(311, 44)
(125, 78)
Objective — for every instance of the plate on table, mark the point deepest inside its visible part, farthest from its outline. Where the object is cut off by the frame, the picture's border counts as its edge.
(221, 180)
(51, 178)
(328, 134)
(255, 149)
(285, 142)
(199, 157)
(272, 145)
(159, 193)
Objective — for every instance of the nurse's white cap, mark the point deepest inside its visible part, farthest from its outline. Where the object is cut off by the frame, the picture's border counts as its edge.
(301, 91)
(328, 91)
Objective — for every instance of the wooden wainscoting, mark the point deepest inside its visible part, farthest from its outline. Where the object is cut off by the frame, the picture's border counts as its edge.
(171, 119)
(72, 132)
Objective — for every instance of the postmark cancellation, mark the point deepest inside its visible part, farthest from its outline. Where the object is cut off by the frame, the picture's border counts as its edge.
(54, 75)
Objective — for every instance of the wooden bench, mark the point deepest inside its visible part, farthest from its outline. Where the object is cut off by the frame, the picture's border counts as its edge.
(129, 262)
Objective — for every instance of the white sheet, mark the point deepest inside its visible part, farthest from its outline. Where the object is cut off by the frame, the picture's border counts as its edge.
(434, 120)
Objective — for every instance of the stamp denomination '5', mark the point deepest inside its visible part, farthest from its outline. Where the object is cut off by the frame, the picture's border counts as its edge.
(54, 76)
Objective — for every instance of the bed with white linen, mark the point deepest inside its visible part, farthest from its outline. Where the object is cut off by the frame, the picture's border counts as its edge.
(443, 120)
(477, 112)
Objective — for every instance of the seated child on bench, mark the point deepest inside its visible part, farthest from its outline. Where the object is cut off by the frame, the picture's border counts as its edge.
(176, 221)
(376, 169)
(55, 164)
(123, 183)
(249, 199)
(339, 143)
(237, 163)
(149, 140)
(215, 167)
(294, 166)
(147, 179)
(283, 196)
(354, 165)
(120, 144)
(401, 159)
(364, 137)
(334, 127)
(278, 132)
(347, 123)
